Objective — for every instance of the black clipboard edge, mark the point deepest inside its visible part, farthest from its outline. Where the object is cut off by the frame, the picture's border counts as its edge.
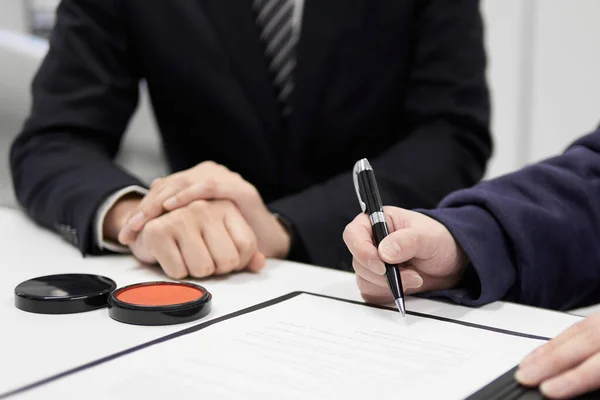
(505, 387)
(438, 318)
(235, 314)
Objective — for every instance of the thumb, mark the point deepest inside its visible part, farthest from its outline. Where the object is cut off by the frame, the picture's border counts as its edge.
(406, 244)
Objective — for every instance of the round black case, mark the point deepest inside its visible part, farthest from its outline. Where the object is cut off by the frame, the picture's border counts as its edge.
(63, 294)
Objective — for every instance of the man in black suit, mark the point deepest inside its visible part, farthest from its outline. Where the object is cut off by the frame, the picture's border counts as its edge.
(287, 93)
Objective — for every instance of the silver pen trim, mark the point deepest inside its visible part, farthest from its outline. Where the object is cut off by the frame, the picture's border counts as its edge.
(377, 217)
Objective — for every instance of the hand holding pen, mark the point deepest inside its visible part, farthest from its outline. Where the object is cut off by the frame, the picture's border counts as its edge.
(370, 202)
(430, 257)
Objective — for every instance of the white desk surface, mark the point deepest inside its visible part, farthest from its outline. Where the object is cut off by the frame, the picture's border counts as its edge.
(34, 346)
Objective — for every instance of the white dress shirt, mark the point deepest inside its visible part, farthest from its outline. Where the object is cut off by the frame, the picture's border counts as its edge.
(113, 198)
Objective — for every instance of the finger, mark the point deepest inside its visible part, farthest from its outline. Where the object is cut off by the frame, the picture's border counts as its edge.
(195, 253)
(553, 359)
(387, 299)
(257, 262)
(242, 236)
(221, 247)
(376, 293)
(359, 240)
(368, 275)
(168, 255)
(564, 337)
(581, 379)
(127, 235)
(430, 283)
(400, 218)
(151, 205)
(244, 195)
(185, 197)
(411, 283)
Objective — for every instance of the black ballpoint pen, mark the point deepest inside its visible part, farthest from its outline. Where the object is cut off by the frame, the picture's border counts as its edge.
(370, 202)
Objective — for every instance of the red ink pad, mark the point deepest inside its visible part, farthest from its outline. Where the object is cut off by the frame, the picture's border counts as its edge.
(159, 303)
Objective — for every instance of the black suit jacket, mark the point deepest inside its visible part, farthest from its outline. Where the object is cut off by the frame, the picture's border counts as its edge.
(399, 82)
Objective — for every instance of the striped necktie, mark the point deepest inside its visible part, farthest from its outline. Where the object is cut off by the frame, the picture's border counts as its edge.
(274, 20)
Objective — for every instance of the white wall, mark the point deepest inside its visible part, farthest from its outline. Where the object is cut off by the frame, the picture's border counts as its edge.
(504, 29)
(566, 84)
(544, 75)
(13, 16)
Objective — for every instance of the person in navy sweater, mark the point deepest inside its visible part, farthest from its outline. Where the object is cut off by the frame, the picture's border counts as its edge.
(531, 237)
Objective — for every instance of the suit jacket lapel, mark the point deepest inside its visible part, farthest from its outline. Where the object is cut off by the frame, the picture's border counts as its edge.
(234, 23)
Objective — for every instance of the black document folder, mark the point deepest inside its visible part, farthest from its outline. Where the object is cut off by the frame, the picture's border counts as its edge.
(507, 388)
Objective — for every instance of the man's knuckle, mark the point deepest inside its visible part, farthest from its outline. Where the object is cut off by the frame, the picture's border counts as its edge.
(229, 262)
(174, 272)
(154, 228)
(208, 165)
(210, 269)
(176, 181)
(171, 222)
(170, 219)
(202, 271)
(210, 184)
(152, 209)
(250, 191)
(246, 245)
(199, 206)
(180, 275)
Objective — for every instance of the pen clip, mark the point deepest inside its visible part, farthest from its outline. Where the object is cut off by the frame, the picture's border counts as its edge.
(355, 172)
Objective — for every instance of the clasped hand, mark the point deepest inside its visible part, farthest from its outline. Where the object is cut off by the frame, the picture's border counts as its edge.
(202, 221)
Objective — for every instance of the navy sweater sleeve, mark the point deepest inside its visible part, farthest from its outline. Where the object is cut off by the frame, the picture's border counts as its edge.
(532, 236)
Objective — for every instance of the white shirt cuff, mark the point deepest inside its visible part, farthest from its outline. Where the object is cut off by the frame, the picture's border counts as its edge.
(101, 214)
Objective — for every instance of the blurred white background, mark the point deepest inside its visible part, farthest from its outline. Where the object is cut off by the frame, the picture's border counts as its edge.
(544, 74)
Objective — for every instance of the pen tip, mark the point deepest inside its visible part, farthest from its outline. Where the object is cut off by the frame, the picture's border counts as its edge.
(401, 308)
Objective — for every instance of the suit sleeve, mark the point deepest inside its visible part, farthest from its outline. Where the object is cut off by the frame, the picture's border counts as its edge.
(83, 96)
(449, 141)
(532, 236)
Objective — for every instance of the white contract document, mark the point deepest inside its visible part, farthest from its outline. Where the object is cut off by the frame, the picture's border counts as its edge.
(304, 347)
